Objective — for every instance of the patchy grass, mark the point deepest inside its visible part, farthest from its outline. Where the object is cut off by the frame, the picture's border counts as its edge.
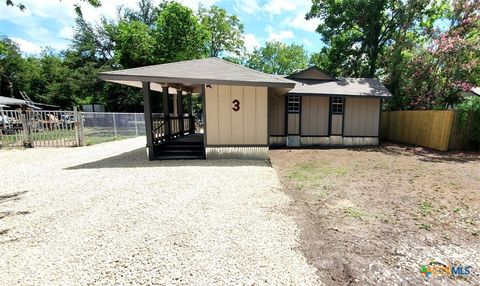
(370, 216)
(354, 213)
(426, 226)
(312, 175)
(426, 208)
(102, 139)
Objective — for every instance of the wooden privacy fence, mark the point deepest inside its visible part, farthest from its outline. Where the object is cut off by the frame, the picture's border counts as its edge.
(436, 129)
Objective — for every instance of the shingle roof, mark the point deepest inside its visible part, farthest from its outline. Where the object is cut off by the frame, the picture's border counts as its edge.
(202, 71)
(367, 87)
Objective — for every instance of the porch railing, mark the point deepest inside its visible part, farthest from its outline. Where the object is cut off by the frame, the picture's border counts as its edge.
(165, 128)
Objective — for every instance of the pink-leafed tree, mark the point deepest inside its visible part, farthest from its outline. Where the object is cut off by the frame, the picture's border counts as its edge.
(439, 74)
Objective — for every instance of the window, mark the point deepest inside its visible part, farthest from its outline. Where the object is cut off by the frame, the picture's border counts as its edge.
(293, 103)
(337, 105)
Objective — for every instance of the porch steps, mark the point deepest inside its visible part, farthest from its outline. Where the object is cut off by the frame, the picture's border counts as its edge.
(178, 150)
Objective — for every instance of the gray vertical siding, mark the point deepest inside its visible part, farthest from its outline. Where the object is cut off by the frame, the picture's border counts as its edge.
(361, 117)
(337, 122)
(276, 113)
(314, 116)
(294, 123)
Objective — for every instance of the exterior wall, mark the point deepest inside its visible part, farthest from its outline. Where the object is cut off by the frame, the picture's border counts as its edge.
(276, 119)
(361, 117)
(315, 114)
(337, 124)
(278, 141)
(293, 124)
(326, 141)
(358, 126)
(248, 153)
(226, 127)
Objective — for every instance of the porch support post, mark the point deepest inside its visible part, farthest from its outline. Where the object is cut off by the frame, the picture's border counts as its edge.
(190, 113)
(166, 111)
(180, 111)
(147, 107)
(175, 104)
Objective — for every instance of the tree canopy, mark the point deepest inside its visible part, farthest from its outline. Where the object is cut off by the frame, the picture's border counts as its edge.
(425, 51)
(278, 58)
(225, 31)
(400, 41)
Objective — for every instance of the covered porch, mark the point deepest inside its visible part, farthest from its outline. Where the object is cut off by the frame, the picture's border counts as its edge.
(172, 131)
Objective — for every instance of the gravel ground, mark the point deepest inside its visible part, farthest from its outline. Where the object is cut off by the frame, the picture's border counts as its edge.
(97, 215)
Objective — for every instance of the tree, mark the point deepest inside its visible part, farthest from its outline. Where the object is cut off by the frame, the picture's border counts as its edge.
(134, 34)
(226, 31)
(278, 58)
(146, 12)
(357, 31)
(450, 65)
(179, 34)
(322, 61)
(11, 64)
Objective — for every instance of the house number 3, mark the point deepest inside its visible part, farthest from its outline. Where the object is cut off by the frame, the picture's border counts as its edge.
(236, 105)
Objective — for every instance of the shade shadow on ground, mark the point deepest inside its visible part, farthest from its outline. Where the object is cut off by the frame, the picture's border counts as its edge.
(138, 159)
(11, 197)
(423, 154)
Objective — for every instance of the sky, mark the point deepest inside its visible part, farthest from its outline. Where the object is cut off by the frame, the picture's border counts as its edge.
(49, 23)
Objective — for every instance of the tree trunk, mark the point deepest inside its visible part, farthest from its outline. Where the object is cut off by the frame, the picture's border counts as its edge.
(373, 62)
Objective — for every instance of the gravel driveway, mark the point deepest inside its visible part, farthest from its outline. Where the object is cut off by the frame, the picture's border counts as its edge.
(98, 215)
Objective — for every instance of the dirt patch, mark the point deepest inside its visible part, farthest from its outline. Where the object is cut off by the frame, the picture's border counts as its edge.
(376, 215)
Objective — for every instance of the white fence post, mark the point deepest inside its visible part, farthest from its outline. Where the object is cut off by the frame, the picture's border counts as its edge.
(77, 118)
(114, 125)
(82, 129)
(136, 125)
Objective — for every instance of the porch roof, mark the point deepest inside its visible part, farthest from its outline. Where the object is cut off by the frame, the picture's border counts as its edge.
(194, 73)
(364, 87)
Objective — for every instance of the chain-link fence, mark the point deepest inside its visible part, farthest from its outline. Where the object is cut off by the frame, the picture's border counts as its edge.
(107, 126)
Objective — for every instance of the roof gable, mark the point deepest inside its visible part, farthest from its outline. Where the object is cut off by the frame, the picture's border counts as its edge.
(312, 73)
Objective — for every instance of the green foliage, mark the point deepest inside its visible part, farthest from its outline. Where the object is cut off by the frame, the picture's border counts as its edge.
(356, 31)
(225, 31)
(470, 107)
(313, 175)
(426, 208)
(10, 66)
(437, 76)
(355, 213)
(179, 35)
(143, 36)
(134, 34)
(278, 58)
(424, 67)
(146, 12)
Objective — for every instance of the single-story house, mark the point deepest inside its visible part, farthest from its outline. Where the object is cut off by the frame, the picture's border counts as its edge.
(246, 111)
